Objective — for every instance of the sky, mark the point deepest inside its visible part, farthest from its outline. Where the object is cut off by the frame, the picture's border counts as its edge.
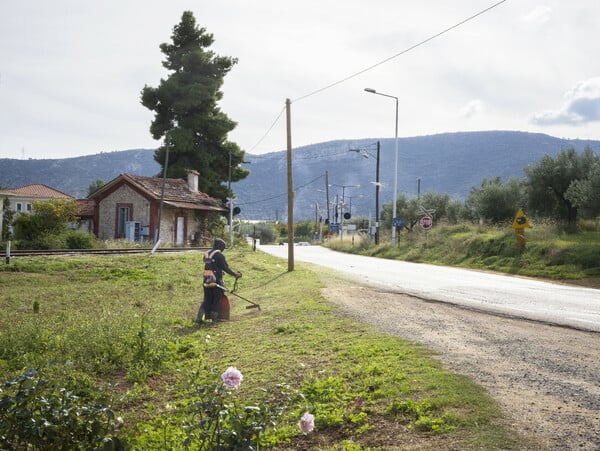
(71, 71)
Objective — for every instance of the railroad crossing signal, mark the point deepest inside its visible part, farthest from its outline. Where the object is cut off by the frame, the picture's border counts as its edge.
(426, 211)
(426, 222)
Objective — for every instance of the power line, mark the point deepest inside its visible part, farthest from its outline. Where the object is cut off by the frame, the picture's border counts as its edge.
(242, 204)
(356, 74)
(425, 41)
(269, 129)
(297, 188)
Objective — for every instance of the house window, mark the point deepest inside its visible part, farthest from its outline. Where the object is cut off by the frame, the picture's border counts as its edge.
(123, 215)
(19, 206)
(29, 208)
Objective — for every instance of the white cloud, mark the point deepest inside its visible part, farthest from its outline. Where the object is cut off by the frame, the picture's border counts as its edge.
(581, 105)
(72, 71)
(538, 16)
(473, 108)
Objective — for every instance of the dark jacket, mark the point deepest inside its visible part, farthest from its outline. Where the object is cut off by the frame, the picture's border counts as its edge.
(218, 262)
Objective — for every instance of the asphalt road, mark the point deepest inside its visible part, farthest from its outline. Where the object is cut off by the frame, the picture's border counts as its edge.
(513, 296)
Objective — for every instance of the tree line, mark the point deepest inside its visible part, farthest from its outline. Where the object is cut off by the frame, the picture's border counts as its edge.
(561, 189)
(186, 115)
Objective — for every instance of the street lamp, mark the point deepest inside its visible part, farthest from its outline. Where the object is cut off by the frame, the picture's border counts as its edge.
(377, 188)
(372, 91)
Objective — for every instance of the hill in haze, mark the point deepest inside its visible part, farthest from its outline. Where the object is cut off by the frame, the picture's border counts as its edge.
(450, 163)
(74, 175)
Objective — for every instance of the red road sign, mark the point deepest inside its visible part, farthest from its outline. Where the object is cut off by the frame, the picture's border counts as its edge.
(426, 222)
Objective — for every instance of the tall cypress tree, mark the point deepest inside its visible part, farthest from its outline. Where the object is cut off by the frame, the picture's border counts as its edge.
(186, 112)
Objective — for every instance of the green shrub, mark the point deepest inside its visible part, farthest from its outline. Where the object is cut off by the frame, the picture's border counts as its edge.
(47, 241)
(36, 414)
(78, 239)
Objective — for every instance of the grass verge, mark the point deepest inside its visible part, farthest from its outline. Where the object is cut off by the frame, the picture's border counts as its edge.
(548, 253)
(117, 332)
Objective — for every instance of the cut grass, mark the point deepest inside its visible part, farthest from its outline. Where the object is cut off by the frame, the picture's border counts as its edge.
(124, 324)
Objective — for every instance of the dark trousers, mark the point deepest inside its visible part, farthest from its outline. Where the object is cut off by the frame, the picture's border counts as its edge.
(212, 300)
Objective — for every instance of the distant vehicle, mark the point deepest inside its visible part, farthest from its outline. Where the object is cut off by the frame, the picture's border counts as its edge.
(302, 243)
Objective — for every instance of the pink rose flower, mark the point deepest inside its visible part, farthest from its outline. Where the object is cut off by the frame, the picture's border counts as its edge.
(232, 378)
(307, 423)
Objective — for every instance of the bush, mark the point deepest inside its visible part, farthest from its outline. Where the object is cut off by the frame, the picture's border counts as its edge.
(78, 239)
(50, 241)
(34, 412)
(67, 239)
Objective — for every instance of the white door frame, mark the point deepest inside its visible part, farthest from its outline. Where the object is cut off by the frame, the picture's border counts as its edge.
(179, 238)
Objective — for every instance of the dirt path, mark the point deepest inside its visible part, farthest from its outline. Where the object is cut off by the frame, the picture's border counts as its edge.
(545, 378)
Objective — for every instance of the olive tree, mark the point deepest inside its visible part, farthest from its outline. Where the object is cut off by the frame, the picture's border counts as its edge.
(550, 179)
(495, 202)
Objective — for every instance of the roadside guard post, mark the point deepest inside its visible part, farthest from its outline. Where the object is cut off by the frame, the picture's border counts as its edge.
(8, 242)
(519, 224)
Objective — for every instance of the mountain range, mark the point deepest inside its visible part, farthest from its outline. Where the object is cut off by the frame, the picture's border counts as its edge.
(451, 163)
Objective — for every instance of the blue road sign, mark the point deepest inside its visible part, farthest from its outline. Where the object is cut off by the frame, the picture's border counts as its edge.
(398, 222)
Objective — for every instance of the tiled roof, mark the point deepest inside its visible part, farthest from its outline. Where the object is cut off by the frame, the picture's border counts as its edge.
(86, 207)
(194, 206)
(38, 191)
(176, 190)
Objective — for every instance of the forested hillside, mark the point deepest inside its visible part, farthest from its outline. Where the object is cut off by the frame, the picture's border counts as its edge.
(450, 163)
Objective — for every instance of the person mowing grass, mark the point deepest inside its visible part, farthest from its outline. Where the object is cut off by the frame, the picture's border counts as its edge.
(215, 264)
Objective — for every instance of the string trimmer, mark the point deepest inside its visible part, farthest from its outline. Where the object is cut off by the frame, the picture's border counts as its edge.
(254, 304)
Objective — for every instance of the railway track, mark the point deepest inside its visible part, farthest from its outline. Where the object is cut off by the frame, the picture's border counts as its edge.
(31, 253)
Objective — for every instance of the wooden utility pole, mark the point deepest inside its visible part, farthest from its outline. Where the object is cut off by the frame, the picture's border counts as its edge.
(290, 179)
(377, 189)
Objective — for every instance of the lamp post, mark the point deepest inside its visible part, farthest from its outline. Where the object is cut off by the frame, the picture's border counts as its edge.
(373, 91)
(377, 189)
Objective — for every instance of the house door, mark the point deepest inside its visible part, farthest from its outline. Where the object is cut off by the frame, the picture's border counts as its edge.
(123, 215)
(179, 235)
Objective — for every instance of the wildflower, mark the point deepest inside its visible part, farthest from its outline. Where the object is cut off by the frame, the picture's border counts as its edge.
(307, 423)
(232, 378)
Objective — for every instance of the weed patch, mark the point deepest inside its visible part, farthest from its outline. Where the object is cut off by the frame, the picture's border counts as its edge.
(114, 338)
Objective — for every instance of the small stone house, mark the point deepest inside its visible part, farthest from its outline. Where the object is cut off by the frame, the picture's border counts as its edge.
(21, 199)
(129, 207)
(86, 215)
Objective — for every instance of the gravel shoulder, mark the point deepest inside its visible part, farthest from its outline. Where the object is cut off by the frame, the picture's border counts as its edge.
(545, 378)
